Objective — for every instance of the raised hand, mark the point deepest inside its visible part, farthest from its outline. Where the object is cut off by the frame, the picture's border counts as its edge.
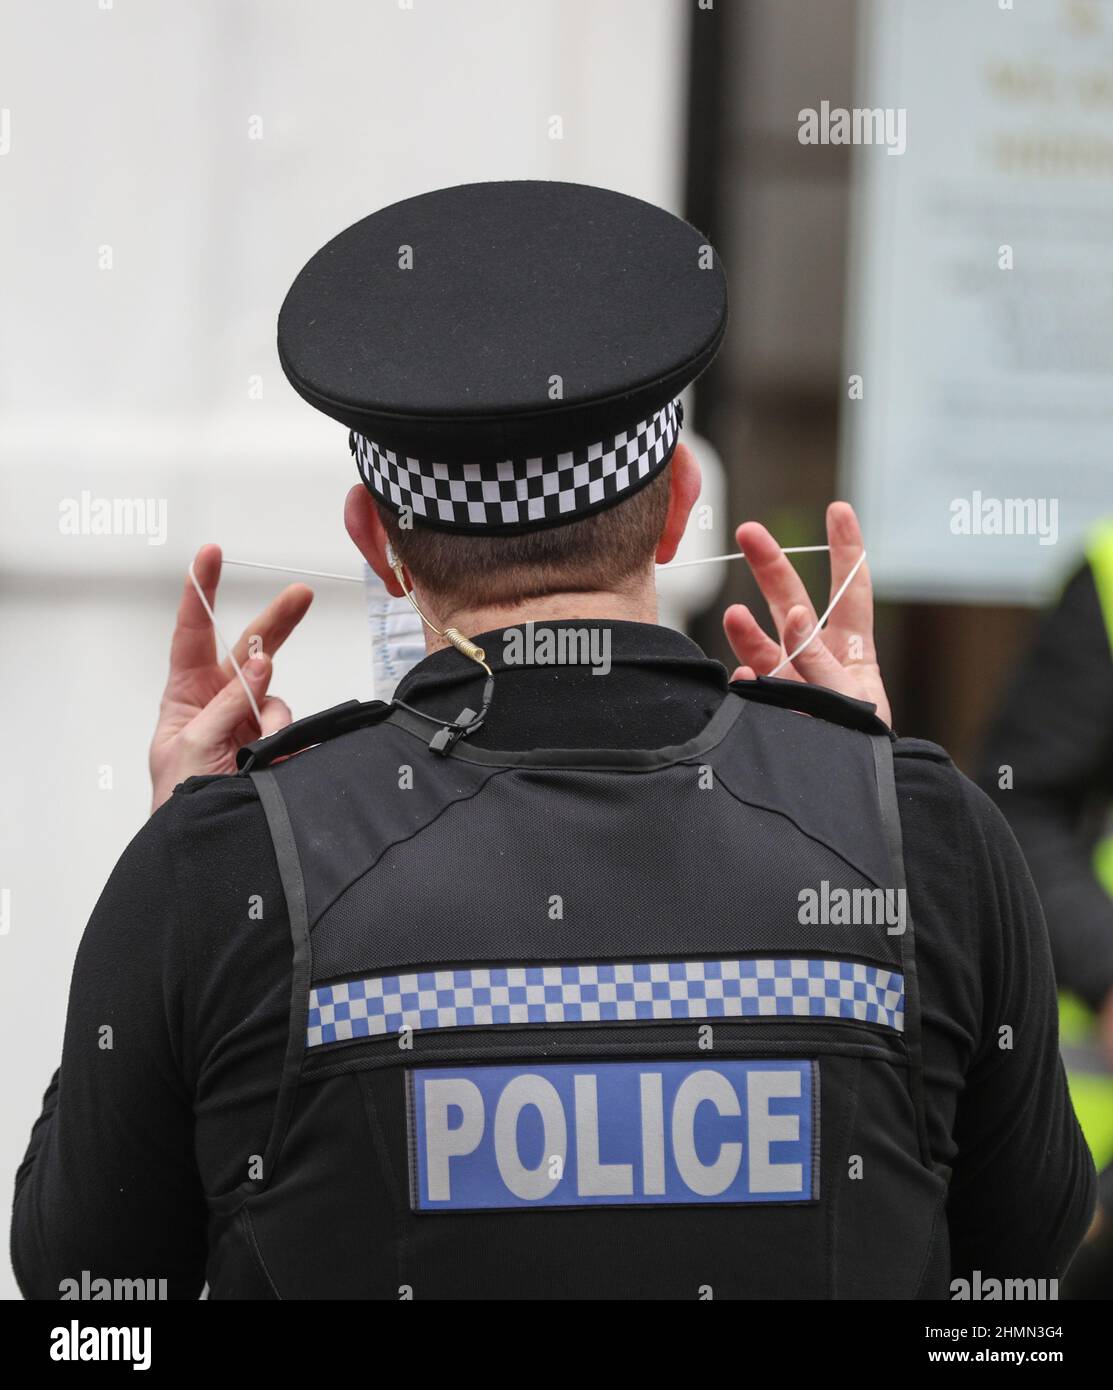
(205, 715)
(841, 657)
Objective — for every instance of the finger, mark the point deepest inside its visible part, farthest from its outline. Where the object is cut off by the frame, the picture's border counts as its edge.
(815, 664)
(220, 723)
(779, 583)
(744, 673)
(193, 643)
(276, 715)
(852, 617)
(748, 640)
(273, 625)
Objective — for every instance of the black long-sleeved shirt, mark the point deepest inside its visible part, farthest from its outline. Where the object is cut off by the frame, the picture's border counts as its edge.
(194, 985)
(1054, 735)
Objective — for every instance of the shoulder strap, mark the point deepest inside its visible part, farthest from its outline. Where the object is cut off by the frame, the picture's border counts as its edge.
(293, 887)
(815, 700)
(314, 728)
(894, 838)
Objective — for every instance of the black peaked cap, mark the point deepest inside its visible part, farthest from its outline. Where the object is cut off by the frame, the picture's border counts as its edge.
(434, 328)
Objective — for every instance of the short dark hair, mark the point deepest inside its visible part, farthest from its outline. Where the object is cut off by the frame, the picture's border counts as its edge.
(596, 552)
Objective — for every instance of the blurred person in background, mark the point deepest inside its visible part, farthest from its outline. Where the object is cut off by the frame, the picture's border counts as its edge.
(1048, 763)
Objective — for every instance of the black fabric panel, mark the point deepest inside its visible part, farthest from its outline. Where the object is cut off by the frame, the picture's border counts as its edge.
(483, 873)
(326, 1225)
(348, 805)
(818, 775)
(474, 853)
(646, 701)
(666, 1038)
(347, 1231)
(476, 884)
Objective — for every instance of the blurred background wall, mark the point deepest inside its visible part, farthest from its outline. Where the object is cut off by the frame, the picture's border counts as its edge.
(167, 167)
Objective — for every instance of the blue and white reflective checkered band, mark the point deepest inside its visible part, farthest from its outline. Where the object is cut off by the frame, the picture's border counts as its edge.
(486, 996)
(520, 492)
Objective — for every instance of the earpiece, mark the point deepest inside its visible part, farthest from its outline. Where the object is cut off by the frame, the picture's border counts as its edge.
(467, 721)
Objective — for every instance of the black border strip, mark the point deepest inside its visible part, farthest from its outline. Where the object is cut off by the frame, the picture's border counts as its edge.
(293, 885)
(890, 817)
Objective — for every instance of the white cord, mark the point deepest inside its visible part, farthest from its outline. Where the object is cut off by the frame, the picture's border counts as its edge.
(293, 569)
(826, 614)
(674, 565)
(223, 642)
(740, 555)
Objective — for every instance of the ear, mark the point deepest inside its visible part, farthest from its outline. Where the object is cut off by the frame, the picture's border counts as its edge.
(684, 486)
(365, 527)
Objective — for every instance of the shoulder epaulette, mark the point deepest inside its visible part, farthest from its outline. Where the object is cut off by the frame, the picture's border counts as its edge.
(815, 700)
(313, 729)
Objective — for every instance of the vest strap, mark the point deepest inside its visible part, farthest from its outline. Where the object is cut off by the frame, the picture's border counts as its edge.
(894, 838)
(301, 974)
(293, 885)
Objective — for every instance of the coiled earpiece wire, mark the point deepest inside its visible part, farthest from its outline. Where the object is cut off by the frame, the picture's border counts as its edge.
(467, 721)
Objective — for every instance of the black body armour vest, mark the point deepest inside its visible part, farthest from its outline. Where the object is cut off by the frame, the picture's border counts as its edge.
(637, 1024)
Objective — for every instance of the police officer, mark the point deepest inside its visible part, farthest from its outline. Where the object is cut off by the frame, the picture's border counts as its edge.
(578, 970)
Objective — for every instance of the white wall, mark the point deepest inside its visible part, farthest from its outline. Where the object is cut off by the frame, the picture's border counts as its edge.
(127, 127)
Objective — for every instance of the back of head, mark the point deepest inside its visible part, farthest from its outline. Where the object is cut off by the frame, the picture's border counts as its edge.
(604, 552)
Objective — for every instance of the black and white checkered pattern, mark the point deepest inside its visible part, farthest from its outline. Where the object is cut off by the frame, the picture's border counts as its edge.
(520, 492)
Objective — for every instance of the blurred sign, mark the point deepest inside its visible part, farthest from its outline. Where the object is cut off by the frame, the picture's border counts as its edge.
(978, 411)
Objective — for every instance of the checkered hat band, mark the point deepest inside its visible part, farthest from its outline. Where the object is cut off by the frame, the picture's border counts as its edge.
(489, 996)
(520, 492)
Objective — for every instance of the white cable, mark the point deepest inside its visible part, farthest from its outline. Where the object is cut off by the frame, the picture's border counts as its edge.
(293, 569)
(826, 614)
(740, 555)
(223, 642)
(674, 565)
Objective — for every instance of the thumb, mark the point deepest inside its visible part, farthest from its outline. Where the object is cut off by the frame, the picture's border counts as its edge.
(276, 715)
(815, 664)
(227, 710)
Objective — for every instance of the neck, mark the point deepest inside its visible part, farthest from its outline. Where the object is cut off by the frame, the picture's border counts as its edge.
(635, 605)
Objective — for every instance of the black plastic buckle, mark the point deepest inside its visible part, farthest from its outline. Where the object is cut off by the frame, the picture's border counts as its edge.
(449, 735)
